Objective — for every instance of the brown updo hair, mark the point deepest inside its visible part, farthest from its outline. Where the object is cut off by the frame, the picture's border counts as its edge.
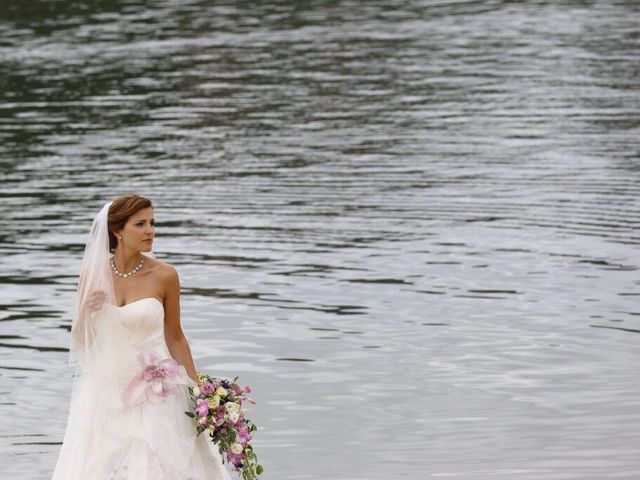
(120, 210)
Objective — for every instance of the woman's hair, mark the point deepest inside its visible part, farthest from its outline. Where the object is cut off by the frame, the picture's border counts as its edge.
(120, 210)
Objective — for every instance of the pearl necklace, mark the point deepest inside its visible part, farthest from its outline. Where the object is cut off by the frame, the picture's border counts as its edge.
(125, 275)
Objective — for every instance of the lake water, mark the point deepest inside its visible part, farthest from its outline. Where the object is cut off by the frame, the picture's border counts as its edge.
(412, 227)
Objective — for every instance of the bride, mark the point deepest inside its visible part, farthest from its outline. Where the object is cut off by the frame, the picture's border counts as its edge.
(133, 362)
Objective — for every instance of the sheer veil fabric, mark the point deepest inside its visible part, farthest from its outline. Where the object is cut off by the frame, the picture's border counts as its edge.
(95, 274)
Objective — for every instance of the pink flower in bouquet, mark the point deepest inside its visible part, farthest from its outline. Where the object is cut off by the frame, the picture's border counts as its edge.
(242, 434)
(156, 380)
(202, 407)
(236, 459)
(219, 417)
(207, 388)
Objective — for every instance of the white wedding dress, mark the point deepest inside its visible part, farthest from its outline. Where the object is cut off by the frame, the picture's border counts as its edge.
(107, 440)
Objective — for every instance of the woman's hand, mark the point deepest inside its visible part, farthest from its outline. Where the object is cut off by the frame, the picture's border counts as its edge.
(95, 300)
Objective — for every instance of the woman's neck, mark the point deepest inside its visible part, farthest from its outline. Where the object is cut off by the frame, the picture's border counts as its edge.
(126, 261)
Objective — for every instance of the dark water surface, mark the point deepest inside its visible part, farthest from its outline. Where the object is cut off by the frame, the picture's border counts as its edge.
(412, 227)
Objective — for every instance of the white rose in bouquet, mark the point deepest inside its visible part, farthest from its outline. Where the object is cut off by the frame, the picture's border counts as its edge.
(231, 407)
(221, 391)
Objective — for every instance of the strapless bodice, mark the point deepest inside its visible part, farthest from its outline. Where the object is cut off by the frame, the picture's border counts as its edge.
(123, 332)
(143, 321)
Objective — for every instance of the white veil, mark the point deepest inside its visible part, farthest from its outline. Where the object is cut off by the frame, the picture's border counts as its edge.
(95, 274)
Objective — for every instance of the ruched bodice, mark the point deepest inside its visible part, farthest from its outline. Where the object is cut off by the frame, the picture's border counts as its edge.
(144, 322)
(122, 333)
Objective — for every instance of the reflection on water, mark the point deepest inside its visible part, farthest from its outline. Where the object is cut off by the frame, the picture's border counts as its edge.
(412, 227)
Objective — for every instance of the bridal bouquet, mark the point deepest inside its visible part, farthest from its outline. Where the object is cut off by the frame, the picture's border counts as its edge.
(218, 410)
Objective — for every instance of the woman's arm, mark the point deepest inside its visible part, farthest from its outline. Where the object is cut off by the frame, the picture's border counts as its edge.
(174, 336)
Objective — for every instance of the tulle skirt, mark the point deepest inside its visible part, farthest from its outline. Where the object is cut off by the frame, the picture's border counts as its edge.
(105, 440)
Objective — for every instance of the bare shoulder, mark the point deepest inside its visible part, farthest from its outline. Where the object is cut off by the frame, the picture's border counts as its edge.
(168, 276)
(164, 270)
(161, 266)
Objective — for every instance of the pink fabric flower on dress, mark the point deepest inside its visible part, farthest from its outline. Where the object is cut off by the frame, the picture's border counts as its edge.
(157, 379)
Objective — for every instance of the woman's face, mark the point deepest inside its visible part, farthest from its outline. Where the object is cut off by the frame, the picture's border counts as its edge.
(138, 232)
